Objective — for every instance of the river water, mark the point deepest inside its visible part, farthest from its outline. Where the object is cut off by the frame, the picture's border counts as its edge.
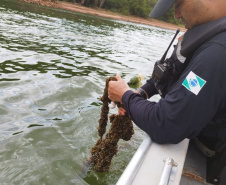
(53, 66)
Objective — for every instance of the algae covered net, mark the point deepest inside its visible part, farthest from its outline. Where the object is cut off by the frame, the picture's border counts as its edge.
(121, 128)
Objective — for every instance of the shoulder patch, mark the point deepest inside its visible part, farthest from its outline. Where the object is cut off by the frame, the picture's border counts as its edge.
(193, 83)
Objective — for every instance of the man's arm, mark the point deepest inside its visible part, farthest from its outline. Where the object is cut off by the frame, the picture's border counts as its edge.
(182, 114)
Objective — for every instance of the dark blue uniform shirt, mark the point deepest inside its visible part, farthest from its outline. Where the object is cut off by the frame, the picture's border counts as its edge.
(184, 113)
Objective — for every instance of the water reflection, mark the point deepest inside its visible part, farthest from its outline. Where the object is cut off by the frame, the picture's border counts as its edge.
(53, 66)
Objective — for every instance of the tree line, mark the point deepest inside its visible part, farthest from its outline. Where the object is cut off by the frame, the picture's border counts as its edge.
(141, 8)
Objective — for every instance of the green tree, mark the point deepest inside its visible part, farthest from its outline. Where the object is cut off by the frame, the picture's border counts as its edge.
(141, 8)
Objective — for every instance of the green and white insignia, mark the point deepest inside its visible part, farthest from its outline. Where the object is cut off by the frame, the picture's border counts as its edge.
(193, 83)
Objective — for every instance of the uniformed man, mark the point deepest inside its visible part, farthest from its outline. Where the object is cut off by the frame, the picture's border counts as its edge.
(192, 84)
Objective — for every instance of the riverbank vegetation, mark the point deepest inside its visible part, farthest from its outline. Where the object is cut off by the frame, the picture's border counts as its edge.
(141, 8)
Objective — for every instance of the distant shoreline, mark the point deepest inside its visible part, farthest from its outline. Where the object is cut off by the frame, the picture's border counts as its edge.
(104, 13)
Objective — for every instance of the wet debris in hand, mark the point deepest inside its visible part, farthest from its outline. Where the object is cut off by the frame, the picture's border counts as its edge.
(121, 128)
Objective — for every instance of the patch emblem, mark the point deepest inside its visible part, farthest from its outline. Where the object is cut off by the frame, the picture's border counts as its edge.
(193, 83)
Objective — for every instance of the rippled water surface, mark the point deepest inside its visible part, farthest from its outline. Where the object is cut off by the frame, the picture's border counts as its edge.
(53, 66)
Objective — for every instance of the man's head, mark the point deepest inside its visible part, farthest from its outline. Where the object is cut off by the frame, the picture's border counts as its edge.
(192, 12)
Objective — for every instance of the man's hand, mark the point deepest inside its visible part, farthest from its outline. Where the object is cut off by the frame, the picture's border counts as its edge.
(121, 111)
(117, 88)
